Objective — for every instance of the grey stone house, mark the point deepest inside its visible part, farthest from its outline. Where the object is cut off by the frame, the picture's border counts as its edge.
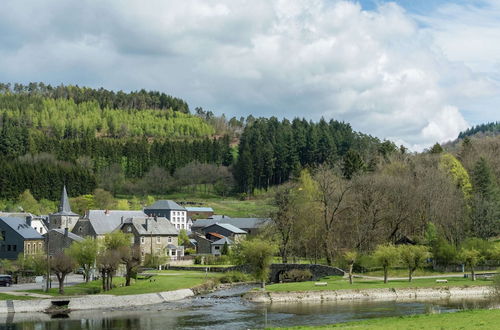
(17, 236)
(251, 225)
(64, 217)
(59, 239)
(97, 223)
(225, 230)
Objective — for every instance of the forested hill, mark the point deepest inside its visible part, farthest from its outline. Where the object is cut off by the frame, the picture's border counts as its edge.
(492, 128)
(149, 143)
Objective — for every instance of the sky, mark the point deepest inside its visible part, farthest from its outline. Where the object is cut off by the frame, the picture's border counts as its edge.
(412, 71)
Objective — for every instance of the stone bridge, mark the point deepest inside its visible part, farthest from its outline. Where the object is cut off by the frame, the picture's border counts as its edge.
(318, 271)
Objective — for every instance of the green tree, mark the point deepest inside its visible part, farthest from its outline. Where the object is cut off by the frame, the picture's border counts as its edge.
(28, 203)
(352, 164)
(258, 254)
(386, 256)
(471, 258)
(85, 254)
(457, 172)
(436, 149)
(413, 257)
(103, 199)
(183, 238)
(62, 264)
(225, 249)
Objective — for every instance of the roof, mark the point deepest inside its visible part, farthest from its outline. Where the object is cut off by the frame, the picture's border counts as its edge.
(158, 226)
(70, 234)
(246, 223)
(165, 205)
(216, 235)
(199, 209)
(105, 221)
(21, 227)
(64, 207)
(223, 241)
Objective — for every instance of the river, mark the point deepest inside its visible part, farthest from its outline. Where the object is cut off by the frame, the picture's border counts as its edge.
(225, 309)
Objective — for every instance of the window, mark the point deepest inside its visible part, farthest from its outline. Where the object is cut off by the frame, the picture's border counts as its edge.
(14, 248)
(9, 247)
(3, 235)
(182, 226)
(28, 248)
(34, 248)
(143, 240)
(217, 247)
(80, 229)
(173, 252)
(40, 247)
(129, 229)
(41, 230)
(170, 239)
(158, 239)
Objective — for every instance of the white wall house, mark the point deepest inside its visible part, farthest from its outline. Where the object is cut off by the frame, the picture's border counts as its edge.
(172, 211)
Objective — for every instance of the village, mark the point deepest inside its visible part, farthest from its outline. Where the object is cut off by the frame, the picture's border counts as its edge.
(155, 231)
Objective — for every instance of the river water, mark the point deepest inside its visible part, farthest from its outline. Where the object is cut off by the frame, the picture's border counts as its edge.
(225, 309)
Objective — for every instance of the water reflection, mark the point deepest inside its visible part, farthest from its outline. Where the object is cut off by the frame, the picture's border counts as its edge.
(226, 310)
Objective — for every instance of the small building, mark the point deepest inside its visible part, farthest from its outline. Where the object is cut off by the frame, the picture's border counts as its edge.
(218, 245)
(194, 212)
(64, 217)
(154, 235)
(97, 223)
(19, 237)
(221, 230)
(251, 225)
(59, 239)
(170, 210)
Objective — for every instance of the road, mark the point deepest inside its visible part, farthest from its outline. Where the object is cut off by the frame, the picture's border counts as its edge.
(71, 279)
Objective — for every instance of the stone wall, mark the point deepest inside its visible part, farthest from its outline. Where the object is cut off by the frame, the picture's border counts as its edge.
(318, 271)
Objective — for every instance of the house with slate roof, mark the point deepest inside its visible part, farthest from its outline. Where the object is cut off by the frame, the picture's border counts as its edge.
(197, 212)
(64, 217)
(39, 223)
(250, 225)
(221, 230)
(18, 237)
(154, 236)
(97, 223)
(218, 245)
(172, 211)
(59, 239)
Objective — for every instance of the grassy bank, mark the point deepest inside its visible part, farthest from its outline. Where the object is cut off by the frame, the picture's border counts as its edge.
(338, 283)
(474, 319)
(6, 296)
(169, 281)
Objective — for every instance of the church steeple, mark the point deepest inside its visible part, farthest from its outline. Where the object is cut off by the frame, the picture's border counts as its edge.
(64, 204)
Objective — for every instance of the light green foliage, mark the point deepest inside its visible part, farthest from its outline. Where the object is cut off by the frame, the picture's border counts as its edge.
(258, 254)
(7, 266)
(35, 263)
(122, 204)
(103, 199)
(471, 258)
(443, 252)
(413, 257)
(83, 203)
(28, 203)
(183, 237)
(84, 253)
(458, 173)
(116, 240)
(386, 256)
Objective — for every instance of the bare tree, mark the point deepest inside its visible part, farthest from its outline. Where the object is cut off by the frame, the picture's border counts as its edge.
(62, 264)
(131, 258)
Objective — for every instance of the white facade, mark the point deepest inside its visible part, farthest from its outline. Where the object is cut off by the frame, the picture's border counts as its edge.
(39, 226)
(179, 220)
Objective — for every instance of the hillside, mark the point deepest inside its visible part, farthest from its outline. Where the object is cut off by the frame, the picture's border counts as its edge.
(492, 128)
(148, 142)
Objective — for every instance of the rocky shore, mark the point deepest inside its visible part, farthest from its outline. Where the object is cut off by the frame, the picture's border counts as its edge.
(403, 294)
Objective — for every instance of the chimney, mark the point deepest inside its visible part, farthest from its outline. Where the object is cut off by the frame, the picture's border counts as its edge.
(29, 218)
(66, 232)
(223, 216)
(121, 220)
(147, 223)
(106, 212)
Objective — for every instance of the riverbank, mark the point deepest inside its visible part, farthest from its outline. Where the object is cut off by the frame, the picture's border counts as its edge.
(470, 319)
(384, 294)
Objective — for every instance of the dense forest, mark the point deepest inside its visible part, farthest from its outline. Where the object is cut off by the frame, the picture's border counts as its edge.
(486, 129)
(149, 143)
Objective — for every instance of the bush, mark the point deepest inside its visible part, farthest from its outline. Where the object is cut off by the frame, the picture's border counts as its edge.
(296, 275)
(198, 260)
(234, 277)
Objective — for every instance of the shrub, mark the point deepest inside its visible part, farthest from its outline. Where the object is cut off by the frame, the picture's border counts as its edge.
(297, 275)
(198, 260)
(234, 277)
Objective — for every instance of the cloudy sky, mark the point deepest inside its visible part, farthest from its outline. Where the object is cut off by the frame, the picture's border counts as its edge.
(414, 71)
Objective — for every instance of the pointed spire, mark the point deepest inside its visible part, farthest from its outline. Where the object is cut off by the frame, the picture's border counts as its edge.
(64, 205)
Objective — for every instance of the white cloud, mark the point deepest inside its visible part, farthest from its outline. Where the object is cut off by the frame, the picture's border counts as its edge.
(379, 70)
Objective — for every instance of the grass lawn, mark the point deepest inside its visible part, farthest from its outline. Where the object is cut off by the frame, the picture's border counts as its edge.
(404, 273)
(193, 266)
(473, 319)
(339, 283)
(6, 296)
(159, 283)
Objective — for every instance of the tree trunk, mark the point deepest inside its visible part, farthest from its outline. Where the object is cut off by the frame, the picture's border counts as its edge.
(263, 285)
(103, 273)
(385, 274)
(473, 273)
(60, 278)
(127, 277)
(410, 274)
(350, 273)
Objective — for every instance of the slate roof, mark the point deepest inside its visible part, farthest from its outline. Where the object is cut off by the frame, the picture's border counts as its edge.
(70, 234)
(158, 226)
(165, 205)
(199, 209)
(21, 227)
(64, 207)
(230, 227)
(222, 241)
(246, 223)
(105, 221)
